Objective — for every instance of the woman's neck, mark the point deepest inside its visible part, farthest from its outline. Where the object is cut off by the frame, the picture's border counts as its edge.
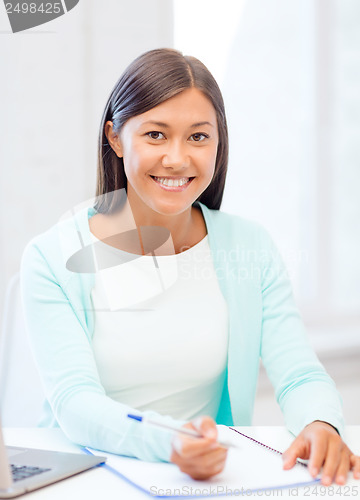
(186, 229)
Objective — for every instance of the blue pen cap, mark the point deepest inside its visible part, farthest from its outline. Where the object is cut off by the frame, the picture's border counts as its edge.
(135, 417)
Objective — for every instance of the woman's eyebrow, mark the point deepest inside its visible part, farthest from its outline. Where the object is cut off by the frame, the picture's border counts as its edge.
(159, 124)
(165, 125)
(200, 124)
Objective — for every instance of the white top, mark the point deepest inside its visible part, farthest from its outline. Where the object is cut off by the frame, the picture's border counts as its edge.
(161, 331)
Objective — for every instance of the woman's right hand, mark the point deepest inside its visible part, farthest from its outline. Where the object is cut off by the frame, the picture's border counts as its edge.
(200, 458)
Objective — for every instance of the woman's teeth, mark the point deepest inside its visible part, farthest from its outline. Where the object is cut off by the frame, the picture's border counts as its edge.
(172, 182)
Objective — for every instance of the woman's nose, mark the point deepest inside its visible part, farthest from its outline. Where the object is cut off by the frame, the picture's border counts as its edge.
(175, 156)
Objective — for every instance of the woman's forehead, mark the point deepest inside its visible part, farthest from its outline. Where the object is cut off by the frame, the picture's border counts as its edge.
(190, 107)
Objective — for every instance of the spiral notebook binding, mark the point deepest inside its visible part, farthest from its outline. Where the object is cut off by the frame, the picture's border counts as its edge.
(264, 445)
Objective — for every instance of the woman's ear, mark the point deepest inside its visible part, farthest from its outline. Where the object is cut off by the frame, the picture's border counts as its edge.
(113, 139)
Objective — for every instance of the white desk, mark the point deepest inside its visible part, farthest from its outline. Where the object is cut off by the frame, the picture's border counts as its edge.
(98, 484)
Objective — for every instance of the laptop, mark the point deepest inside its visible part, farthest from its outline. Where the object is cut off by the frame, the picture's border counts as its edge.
(25, 469)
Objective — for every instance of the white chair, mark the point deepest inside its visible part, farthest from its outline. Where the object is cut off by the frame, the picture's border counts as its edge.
(21, 392)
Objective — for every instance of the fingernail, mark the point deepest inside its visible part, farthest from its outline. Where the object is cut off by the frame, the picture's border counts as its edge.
(340, 480)
(210, 433)
(326, 480)
(357, 475)
(314, 471)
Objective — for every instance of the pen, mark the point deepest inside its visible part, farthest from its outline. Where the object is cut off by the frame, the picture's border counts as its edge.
(187, 432)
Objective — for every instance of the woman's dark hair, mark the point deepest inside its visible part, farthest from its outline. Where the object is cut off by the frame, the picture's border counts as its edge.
(149, 80)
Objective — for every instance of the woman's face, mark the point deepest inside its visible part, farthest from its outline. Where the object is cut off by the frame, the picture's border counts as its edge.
(169, 153)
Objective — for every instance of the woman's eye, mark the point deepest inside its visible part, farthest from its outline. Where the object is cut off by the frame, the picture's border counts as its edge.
(155, 135)
(199, 137)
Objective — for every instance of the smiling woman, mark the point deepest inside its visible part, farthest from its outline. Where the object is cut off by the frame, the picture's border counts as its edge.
(171, 330)
(139, 91)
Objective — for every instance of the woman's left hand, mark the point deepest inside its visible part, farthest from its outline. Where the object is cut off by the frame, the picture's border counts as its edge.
(321, 444)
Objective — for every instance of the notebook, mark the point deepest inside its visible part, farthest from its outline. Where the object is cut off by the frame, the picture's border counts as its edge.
(251, 467)
(25, 469)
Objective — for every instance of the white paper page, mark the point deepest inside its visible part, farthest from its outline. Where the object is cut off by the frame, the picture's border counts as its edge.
(249, 467)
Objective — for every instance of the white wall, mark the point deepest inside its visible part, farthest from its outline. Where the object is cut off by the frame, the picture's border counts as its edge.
(55, 80)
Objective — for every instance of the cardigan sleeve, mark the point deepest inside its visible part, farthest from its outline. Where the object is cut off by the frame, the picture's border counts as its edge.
(303, 389)
(67, 367)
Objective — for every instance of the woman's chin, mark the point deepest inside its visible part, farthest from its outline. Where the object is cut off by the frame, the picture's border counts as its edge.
(171, 208)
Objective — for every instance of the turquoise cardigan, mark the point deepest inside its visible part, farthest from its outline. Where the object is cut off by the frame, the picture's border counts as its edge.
(263, 323)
